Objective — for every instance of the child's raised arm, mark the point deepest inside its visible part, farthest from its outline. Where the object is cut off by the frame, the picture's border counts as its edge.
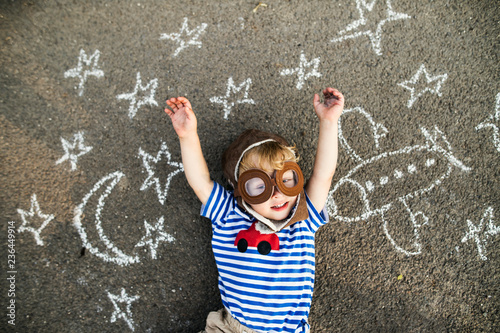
(326, 154)
(195, 166)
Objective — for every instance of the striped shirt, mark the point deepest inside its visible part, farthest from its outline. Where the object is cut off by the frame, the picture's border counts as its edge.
(267, 293)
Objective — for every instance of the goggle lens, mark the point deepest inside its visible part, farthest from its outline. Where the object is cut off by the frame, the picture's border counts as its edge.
(290, 179)
(255, 186)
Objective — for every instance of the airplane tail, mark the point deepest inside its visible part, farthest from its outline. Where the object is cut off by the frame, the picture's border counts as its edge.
(437, 142)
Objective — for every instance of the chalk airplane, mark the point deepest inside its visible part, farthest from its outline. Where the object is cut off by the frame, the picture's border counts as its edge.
(379, 195)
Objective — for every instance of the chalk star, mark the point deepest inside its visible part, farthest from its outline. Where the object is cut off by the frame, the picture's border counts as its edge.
(481, 233)
(149, 161)
(150, 240)
(27, 217)
(177, 37)
(125, 314)
(411, 84)
(82, 73)
(358, 27)
(490, 122)
(232, 89)
(301, 70)
(147, 100)
(71, 147)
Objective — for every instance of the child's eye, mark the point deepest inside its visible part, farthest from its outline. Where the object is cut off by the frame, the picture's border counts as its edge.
(289, 179)
(255, 186)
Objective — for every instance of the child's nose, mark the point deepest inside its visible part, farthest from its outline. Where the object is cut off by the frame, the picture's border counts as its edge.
(276, 191)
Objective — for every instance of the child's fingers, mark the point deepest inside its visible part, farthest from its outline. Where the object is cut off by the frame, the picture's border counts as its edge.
(331, 92)
(169, 112)
(172, 103)
(185, 102)
(338, 95)
(316, 100)
(179, 102)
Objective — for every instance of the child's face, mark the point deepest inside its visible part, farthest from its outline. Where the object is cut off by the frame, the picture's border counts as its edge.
(278, 207)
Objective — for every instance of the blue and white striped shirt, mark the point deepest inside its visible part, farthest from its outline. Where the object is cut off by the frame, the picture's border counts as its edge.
(267, 293)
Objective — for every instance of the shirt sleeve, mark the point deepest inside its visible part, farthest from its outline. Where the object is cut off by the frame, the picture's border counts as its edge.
(220, 203)
(316, 219)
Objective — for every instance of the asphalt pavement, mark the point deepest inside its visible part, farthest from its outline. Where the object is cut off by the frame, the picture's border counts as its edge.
(100, 231)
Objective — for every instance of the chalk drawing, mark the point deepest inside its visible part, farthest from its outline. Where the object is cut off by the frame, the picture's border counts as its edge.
(149, 162)
(34, 213)
(360, 28)
(433, 83)
(436, 145)
(482, 232)
(125, 314)
(301, 70)
(73, 150)
(231, 90)
(185, 37)
(149, 238)
(139, 88)
(378, 130)
(417, 247)
(86, 67)
(111, 252)
(492, 122)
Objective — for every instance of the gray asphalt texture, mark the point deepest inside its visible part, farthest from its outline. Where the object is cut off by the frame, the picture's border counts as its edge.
(423, 257)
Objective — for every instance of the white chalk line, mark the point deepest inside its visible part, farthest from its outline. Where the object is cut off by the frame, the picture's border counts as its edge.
(231, 90)
(302, 74)
(132, 97)
(438, 80)
(149, 240)
(481, 233)
(375, 37)
(178, 37)
(70, 147)
(120, 258)
(432, 145)
(493, 122)
(117, 312)
(34, 212)
(378, 130)
(82, 73)
(148, 160)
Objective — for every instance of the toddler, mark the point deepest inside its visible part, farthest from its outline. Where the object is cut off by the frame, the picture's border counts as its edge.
(263, 230)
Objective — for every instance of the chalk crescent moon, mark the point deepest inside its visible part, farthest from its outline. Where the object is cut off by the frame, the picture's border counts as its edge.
(114, 254)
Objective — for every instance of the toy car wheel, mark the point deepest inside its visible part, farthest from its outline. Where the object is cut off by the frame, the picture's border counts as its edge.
(242, 245)
(264, 247)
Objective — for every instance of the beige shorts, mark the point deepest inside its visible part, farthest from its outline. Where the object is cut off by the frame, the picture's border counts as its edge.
(222, 322)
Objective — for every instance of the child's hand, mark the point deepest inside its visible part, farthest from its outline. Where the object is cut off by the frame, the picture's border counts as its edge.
(182, 116)
(332, 107)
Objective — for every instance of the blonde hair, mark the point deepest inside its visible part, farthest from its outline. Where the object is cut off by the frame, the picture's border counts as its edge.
(269, 154)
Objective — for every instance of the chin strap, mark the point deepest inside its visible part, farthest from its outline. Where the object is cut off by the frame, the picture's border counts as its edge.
(268, 226)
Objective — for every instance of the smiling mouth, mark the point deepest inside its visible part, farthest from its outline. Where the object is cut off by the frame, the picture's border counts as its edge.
(280, 207)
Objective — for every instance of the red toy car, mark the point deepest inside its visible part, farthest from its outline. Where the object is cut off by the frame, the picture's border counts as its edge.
(254, 238)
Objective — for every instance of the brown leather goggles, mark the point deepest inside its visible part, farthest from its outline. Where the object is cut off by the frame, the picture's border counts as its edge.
(255, 186)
